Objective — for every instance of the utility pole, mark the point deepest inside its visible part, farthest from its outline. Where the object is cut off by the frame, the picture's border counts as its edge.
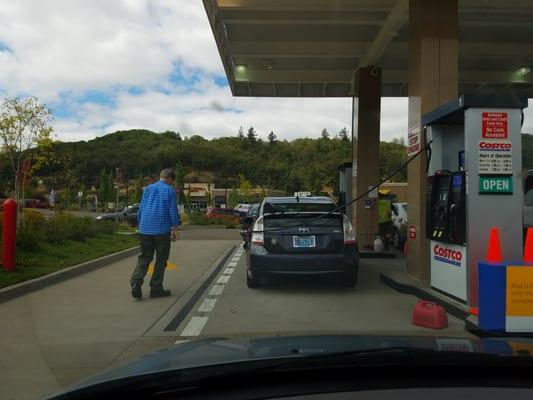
(116, 206)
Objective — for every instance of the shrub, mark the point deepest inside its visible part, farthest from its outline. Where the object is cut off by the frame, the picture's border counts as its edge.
(201, 219)
(198, 219)
(105, 227)
(80, 228)
(28, 236)
(33, 217)
(56, 230)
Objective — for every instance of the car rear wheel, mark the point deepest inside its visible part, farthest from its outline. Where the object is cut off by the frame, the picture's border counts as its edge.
(254, 282)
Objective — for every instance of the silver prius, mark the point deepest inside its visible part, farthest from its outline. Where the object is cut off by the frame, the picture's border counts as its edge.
(302, 236)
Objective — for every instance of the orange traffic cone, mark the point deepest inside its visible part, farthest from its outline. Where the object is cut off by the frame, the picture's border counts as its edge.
(528, 248)
(494, 251)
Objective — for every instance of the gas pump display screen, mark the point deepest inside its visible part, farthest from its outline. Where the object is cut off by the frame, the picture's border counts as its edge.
(457, 181)
(443, 196)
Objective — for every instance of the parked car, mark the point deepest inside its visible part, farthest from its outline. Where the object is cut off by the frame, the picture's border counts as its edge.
(227, 213)
(399, 222)
(35, 203)
(254, 210)
(244, 208)
(248, 222)
(128, 215)
(298, 236)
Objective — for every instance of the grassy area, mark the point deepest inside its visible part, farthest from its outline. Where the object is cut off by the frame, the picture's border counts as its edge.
(54, 257)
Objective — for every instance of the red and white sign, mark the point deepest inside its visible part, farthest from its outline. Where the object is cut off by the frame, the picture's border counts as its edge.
(448, 268)
(494, 125)
(446, 254)
(414, 141)
(412, 232)
(495, 157)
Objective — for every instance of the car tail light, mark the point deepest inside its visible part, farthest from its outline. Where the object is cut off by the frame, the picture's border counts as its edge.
(349, 232)
(258, 237)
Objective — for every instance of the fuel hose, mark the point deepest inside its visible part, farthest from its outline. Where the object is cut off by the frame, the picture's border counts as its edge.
(426, 148)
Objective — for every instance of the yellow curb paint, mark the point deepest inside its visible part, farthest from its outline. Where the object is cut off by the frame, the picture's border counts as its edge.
(169, 266)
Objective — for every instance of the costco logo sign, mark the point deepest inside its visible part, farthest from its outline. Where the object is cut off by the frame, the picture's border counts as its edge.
(447, 255)
(496, 146)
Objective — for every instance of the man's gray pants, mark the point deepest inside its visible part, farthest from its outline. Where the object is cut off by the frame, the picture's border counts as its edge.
(150, 244)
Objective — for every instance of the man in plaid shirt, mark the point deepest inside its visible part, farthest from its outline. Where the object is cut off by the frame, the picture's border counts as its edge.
(158, 219)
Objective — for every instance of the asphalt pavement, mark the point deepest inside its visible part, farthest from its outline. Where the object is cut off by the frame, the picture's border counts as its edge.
(78, 327)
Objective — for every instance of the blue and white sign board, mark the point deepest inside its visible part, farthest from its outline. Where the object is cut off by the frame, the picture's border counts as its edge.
(448, 268)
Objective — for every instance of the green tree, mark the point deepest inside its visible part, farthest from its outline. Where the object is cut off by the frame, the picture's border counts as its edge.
(138, 191)
(324, 134)
(251, 136)
(240, 135)
(391, 157)
(245, 189)
(106, 187)
(23, 124)
(188, 197)
(180, 181)
(343, 134)
(233, 198)
(272, 137)
(209, 197)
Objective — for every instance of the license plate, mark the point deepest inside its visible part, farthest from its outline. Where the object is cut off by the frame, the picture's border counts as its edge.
(303, 241)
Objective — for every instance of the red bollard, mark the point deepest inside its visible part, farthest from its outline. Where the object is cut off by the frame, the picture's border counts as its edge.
(9, 235)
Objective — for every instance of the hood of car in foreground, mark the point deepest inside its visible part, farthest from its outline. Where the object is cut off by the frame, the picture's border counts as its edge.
(209, 352)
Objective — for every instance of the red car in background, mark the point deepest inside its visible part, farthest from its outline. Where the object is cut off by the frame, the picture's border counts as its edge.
(35, 203)
(226, 213)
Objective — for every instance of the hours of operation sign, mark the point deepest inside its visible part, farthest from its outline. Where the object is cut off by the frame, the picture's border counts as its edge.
(495, 157)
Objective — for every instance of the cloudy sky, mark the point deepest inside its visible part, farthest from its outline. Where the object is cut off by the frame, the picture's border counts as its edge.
(107, 65)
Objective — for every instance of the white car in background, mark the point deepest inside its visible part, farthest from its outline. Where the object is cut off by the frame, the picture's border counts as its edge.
(244, 208)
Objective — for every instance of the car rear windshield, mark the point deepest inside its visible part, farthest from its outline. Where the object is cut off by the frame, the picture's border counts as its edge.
(308, 220)
(271, 208)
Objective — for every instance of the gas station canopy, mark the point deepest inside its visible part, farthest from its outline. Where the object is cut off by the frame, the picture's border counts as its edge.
(312, 48)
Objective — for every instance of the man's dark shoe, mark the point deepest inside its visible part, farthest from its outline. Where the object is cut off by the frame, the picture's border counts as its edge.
(136, 291)
(159, 292)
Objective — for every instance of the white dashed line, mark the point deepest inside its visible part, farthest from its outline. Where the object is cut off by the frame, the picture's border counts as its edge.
(216, 290)
(194, 327)
(207, 305)
(223, 279)
(197, 323)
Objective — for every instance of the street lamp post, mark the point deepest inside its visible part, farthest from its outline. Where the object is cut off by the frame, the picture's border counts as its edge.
(116, 206)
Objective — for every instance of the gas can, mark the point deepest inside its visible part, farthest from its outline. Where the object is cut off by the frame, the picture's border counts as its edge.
(430, 315)
(378, 244)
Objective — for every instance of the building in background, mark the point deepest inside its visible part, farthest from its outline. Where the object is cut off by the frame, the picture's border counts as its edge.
(203, 195)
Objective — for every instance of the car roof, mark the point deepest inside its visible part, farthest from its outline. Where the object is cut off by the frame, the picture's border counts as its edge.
(307, 200)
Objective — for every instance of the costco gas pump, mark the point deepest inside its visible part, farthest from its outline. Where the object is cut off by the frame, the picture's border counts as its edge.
(474, 183)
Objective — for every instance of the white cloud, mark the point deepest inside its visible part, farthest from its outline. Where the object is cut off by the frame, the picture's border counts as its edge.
(214, 112)
(60, 49)
(65, 45)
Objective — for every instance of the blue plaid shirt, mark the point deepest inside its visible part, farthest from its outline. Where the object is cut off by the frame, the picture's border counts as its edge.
(158, 211)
